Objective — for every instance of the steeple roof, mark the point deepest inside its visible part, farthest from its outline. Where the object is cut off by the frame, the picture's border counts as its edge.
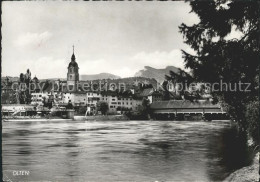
(73, 60)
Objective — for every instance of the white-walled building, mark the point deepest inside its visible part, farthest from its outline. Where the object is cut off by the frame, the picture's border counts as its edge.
(120, 103)
(37, 98)
(76, 98)
(92, 98)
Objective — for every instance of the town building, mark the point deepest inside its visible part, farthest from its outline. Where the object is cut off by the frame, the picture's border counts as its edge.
(38, 98)
(42, 91)
(151, 94)
(70, 90)
(77, 98)
(118, 103)
(92, 98)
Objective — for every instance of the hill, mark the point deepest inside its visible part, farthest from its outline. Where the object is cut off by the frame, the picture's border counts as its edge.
(158, 74)
(99, 76)
(127, 83)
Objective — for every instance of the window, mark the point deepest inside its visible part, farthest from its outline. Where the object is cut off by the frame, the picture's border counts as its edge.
(119, 102)
(170, 86)
(70, 77)
(113, 99)
(111, 106)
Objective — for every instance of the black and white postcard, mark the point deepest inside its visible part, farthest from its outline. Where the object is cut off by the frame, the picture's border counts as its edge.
(144, 91)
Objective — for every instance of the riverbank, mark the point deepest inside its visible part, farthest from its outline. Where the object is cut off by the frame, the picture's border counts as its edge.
(101, 118)
(246, 174)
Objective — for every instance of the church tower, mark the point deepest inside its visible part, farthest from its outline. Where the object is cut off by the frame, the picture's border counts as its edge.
(73, 72)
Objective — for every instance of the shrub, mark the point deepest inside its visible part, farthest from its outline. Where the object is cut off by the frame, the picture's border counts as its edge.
(252, 116)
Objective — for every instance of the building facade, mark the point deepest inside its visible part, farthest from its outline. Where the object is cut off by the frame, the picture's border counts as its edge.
(38, 98)
(119, 104)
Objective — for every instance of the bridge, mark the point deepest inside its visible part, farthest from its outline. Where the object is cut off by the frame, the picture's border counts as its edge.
(186, 110)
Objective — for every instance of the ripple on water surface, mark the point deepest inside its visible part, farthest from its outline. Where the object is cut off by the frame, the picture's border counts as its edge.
(121, 150)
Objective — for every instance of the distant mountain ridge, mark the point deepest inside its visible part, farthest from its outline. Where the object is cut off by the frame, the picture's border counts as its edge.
(158, 74)
(99, 76)
(147, 72)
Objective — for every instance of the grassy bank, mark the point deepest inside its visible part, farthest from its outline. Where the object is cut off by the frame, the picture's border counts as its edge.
(246, 174)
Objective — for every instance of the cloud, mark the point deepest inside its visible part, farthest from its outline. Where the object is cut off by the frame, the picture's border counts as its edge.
(120, 38)
(160, 59)
(50, 67)
(105, 66)
(127, 67)
(33, 39)
(43, 67)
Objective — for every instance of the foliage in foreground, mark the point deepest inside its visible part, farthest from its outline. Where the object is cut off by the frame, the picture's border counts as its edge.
(232, 60)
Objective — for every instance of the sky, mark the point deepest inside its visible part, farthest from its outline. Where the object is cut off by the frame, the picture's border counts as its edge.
(114, 37)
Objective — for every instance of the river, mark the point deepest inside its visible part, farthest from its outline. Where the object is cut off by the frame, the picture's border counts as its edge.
(121, 150)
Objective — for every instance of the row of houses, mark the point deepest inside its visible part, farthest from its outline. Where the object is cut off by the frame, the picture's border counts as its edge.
(47, 91)
(116, 101)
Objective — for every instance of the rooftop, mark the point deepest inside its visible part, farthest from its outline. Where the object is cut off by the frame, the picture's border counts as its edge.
(176, 104)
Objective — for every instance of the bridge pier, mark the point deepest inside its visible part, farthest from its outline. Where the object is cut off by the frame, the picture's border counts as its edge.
(70, 113)
(192, 116)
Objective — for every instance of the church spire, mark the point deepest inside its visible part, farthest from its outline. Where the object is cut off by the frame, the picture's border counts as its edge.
(73, 58)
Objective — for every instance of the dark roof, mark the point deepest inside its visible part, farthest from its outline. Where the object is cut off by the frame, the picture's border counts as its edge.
(157, 93)
(183, 104)
(73, 64)
(146, 92)
(109, 93)
(70, 89)
(73, 61)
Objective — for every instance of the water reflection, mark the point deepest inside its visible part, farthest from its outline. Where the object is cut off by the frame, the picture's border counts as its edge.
(123, 151)
(231, 153)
